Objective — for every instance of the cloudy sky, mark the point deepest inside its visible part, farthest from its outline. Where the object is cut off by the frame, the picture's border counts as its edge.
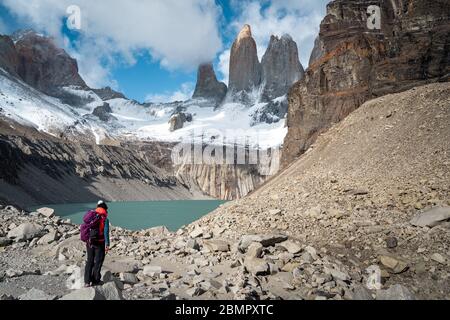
(150, 49)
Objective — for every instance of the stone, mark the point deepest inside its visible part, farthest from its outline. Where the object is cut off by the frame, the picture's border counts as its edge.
(195, 292)
(26, 231)
(48, 238)
(110, 291)
(178, 120)
(254, 250)
(338, 275)
(4, 242)
(245, 69)
(196, 233)
(281, 67)
(432, 217)
(128, 278)
(290, 266)
(46, 212)
(291, 246)
(217, 245)
(394, 265)
(152, 271)
(208, 87)
(35, 294)
(103, 112)
(395, 292)
(84, 294)
(121, 264)
(76, 279)
(391, 242)
(193, 244)
(256, 266)
(360, 293)
(438, 258)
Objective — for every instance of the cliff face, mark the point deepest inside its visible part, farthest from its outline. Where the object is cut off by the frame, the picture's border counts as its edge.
(39, 169)
(44, 66)
(208, 87)
(281, 66)
(245, 69)
(9, 59)
(412, 48)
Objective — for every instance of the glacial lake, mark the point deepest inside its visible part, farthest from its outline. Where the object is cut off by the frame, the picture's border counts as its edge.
(142, 215)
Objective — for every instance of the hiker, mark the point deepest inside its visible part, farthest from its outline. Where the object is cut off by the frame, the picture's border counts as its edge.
(95, 232)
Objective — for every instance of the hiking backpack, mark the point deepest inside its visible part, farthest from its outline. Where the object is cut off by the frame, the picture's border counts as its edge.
(90, 229)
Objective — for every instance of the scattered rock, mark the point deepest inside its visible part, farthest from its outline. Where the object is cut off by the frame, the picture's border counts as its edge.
(438, 258)
(152, 271)
(24, 232)
(291, 246)
(217, 245)
(35, 294)
(197, 233)
(256, 266)
(128, 278)
(432, 217)
(84, 294)
(391, 242)
(110, 291)
(395, 292)
(4, 242)
(394, 265)
(47, 212)
(254, 250)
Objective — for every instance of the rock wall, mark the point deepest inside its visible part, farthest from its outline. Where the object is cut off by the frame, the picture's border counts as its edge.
(245, 69)
(412, 48)
(281, 66)
(208, 87)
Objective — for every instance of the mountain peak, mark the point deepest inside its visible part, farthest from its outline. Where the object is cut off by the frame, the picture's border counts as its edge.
(246, 32)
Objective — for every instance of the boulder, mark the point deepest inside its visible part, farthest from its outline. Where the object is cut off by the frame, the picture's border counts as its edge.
(152, 271)
(26, 231)
(360, 293)
(35, 294)
(255, 250)
(110, 291)
(291, 247)
(432, 217)
(84, 294)
(128, 278)
(196, 233)
(4, 242)
(393, 264)
(76, 279)
(178, 120)
(217, 245)
(48, 238)
(256, 266)
(46, 212)
(438, 258)
(395, 292)
(121, 264)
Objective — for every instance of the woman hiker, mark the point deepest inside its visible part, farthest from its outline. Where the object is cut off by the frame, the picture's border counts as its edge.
(97, 246)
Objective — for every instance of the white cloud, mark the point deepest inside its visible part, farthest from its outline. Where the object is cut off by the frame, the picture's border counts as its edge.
(224, 66)
(178, 34)
(184, 93)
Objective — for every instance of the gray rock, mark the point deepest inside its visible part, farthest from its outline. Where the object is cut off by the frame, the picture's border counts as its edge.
(48, 238)
(35, 294)
(103, 112)
(196, 233)
(46, 212)
(84, 294)
(128, 278)
(110, 291)
(432, 217)
(217, 245)
(360, 293)
(394, 264)
(178, 120)
(391, 242)
(5, 297)
(245, 69)
(195, 292)
(257, 266)
(291, 246)
(4, 242)
(281, 66)
(208, 87)
(255, 250)
(193, 244)
(395, 292)
(338, 275)
(438, 258)
(152, 271)
(25, 231)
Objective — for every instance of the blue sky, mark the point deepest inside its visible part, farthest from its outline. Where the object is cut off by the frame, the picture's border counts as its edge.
(150, 50)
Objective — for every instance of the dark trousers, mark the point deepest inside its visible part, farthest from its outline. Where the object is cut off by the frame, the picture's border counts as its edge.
(95, 258)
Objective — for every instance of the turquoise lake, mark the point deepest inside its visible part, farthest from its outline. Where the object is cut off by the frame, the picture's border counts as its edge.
(142, 215)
